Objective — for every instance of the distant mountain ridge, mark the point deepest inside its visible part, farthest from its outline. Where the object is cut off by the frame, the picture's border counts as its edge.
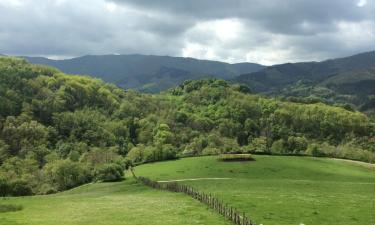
(147, 73)
(343, 80)
(277, 76)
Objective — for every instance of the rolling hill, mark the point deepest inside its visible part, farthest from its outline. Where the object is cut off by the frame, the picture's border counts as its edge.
(280, 190)
(272, 190)
(147, 73)
(343, 80)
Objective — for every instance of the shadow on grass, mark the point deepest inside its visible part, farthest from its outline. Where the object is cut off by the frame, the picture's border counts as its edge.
(9, 208)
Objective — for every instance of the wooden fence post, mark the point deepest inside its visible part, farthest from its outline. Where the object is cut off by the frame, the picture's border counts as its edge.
(228, 212)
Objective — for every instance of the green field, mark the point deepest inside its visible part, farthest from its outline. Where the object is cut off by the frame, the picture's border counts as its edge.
(125, 203)
(282, 190)
(272, 190)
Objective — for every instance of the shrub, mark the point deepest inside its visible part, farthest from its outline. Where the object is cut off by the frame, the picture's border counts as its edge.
(278, 147)
(168, 152)
(296, 145)
(210, 151)
(109, 172)
(236, 157)
(46, 189)
(136, 153)
(315, 151)
(19, 188)
(258, 145)
(66, 174)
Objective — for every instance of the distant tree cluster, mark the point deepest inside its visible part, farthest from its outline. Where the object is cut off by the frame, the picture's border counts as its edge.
(59, 131)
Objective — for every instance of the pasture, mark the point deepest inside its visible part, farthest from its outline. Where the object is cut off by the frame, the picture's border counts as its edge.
(281, 190)
(119, 203)
(272, 190)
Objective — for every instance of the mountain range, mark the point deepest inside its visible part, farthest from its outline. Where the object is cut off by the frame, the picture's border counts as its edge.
(349, 80)
(147, 73)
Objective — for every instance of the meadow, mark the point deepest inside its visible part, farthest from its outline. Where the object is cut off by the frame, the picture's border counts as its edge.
(125, 203)
(281, 190)
(272, 190)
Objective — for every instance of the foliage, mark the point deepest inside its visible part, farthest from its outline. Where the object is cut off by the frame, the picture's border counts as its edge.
(235, 157)
(65, 174)
(109, 172)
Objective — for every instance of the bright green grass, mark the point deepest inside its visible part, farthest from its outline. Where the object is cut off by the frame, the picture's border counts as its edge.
(282, 190)
(125, 203)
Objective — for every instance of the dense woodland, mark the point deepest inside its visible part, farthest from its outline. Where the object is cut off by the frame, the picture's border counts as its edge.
(58, 131)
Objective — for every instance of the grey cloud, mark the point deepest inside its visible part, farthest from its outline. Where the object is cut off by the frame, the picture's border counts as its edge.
(273, 31)
(278, 15)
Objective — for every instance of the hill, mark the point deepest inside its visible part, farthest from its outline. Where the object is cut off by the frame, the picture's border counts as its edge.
(344, 80)
(116, 203)
(278, 190)
(274, 190)
(147, 73)
(58, 131)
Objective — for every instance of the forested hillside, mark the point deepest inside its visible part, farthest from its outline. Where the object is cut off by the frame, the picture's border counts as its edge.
(147, 73)
(346, 81)
(58, 131)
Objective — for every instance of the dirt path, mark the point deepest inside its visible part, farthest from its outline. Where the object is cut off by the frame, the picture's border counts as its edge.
(365, 164)
(192, 179)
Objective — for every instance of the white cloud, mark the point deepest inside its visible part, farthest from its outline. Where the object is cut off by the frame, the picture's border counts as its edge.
(195, 50)
(361, 3)
(11, 3)
(110, 6)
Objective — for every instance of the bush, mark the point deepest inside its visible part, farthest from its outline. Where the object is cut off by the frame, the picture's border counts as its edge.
(210, 151)
(65, 174)
(46, 189)
(278, 147)
(168, 152)
(315, 151)
(136, 154)
(19, 188)
(109, 172)
(258, 145)
(236, 157)
(297, 145)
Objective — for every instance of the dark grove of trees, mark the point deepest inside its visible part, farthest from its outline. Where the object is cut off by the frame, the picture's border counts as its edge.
(59, 131)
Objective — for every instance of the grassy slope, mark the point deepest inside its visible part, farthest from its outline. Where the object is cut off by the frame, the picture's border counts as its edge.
(283, 190)
(125, 203)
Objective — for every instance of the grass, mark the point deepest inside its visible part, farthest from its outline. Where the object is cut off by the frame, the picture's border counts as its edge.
(120, 203)
(282, 190)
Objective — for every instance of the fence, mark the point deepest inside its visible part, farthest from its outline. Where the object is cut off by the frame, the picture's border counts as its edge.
(227, 211)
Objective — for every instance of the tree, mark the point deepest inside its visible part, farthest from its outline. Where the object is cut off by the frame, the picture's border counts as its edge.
(4, 187)
(109, 172)
(296, 145)
(278, 147)
(163, 135)
(65, 174)
(4, 151)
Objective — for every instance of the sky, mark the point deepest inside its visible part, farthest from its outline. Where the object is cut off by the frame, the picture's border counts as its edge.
(260, 31)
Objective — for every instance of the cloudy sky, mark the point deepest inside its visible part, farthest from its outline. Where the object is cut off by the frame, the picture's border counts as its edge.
(262, 31)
